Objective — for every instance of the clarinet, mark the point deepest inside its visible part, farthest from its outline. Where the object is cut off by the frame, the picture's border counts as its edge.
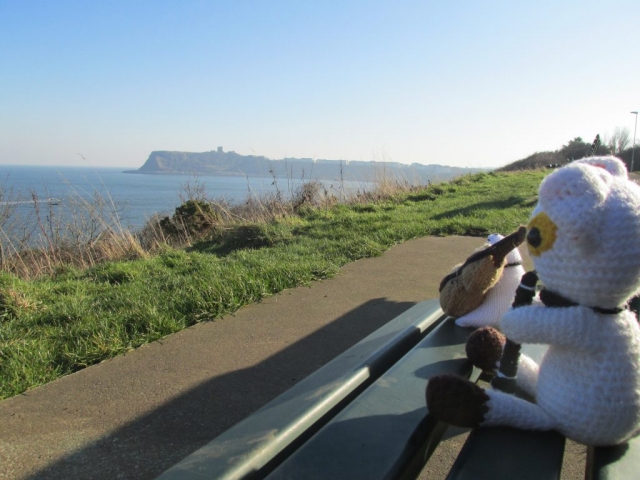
(505, 379)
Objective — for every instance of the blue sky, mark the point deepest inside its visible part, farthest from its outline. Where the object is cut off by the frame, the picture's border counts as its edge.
(452, 82)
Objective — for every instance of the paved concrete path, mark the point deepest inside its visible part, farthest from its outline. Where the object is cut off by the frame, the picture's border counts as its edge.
(136, 415)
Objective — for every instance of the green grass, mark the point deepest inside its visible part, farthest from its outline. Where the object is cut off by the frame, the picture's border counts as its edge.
(54, 326)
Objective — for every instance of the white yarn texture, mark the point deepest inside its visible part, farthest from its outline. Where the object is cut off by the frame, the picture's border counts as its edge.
(588, 383)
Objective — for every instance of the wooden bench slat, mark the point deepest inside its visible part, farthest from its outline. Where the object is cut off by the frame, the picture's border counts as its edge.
(386, 433)
(255, 445)
(613, 463)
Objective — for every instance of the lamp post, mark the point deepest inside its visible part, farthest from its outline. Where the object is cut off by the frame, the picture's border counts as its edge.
(633, 145)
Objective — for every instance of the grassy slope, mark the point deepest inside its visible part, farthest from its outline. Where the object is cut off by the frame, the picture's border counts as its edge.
(52, 327)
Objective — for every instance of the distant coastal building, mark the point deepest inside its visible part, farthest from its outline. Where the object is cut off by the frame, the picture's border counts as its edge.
(219, 149)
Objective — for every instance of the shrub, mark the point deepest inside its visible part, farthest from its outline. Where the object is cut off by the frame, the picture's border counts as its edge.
(194, 218)
(308, 194)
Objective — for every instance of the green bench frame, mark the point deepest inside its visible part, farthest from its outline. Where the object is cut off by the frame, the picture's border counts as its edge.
(363, 416)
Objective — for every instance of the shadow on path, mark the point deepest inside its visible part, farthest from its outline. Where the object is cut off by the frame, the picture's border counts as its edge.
(151, 444)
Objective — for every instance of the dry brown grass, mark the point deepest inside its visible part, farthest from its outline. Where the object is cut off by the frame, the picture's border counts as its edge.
(91, 233)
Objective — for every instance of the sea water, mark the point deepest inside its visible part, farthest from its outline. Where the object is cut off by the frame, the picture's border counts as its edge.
(134, 198)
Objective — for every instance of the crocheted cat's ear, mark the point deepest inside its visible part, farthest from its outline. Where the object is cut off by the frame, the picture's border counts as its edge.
(613, 165)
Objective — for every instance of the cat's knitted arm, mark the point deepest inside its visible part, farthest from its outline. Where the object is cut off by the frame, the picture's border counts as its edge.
(568, 326)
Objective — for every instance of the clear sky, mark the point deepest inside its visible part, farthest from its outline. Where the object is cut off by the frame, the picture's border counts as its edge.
(465, 83)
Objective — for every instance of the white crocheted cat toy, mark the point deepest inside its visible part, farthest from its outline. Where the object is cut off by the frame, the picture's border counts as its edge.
(584, 238)
(500, 297)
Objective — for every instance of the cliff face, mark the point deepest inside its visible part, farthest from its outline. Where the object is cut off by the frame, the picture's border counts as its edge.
(230, 163)
(154, 164)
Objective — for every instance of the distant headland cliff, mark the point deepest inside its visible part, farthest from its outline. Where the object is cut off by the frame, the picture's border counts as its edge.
(219, 162)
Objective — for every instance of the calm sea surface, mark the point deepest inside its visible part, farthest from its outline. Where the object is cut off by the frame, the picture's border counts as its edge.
(136, 197)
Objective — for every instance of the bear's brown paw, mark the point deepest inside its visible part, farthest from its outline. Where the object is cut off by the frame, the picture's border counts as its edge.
(456, 400)
(484, 348)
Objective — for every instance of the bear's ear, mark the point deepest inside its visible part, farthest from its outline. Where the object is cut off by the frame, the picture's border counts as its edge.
(613, 165)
